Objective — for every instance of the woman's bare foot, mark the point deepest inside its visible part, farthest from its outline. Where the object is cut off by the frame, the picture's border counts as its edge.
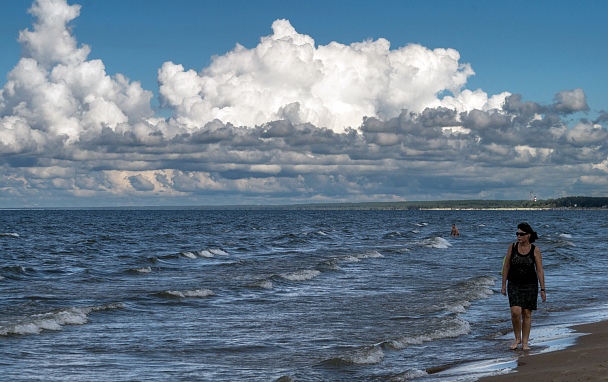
(525, 347)
(515, 344)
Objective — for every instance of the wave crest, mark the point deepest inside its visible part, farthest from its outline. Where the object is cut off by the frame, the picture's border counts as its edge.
(196, 293)
(436, 242)
(38, 323)
(364, 356)
(308, 274)
(450, 328)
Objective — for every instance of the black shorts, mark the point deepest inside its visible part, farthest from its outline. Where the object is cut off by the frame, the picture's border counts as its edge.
(524, 296)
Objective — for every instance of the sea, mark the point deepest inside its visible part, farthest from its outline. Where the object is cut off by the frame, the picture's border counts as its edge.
(283, 295)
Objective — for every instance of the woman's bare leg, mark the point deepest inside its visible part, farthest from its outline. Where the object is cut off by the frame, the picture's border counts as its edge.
(516, 312)
(526, 315)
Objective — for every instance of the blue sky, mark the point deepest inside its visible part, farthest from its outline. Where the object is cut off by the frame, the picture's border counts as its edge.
(327, 65)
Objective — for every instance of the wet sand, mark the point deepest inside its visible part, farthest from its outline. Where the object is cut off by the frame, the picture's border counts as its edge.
(586, 360)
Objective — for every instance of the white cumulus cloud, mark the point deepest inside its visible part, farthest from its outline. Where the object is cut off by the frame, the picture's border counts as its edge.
(55, 91)
(286, 76)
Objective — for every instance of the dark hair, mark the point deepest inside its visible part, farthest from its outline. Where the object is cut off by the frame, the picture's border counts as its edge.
(527, 229)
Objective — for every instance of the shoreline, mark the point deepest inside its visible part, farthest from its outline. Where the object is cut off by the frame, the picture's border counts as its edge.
(585, 360)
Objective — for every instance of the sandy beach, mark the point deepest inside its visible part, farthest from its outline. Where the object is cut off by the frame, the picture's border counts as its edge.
(586, 360)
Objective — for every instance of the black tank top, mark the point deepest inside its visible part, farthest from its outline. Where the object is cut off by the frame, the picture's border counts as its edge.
(523, 267)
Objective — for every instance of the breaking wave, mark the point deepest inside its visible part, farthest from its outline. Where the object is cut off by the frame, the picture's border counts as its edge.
(196, 293)
(362, 256)
(436, 242)
(37, 323)
(305, 275)
(370, 355)
(450, 327)
(204, 253)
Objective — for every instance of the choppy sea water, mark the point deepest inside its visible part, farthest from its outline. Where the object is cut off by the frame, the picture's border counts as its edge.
(226, 295)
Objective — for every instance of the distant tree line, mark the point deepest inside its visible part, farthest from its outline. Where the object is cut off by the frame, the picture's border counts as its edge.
(578, 202)
(565, 202)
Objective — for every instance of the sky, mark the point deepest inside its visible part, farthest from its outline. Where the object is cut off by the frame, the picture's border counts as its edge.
(190, 103)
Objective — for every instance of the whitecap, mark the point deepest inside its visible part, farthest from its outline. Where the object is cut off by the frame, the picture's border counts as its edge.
(204, 253)
(367, 356)
(409, 375)
(266, 284)
(450, 328)
(218, 252)
(21, 329)
(11, 234)
(304, 275)
(197, 293)
(457, 306)
(357, 258)
(144, 270)
(368, 255)
(53, 321)
(189, 255)
(477, 288)
(436, 242)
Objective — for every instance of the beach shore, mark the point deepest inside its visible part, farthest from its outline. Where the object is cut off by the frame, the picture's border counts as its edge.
(586, 360)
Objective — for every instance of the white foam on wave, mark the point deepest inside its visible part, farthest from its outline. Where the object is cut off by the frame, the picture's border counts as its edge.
(189, 255)
(565, 235)
(450, 328)
(11, 234)
(409, 375)
(362, 256)
(304, 275)
(465, 292)
(196, 293)
(457, 306)
(205, 253)
(144, 270)
(54, 321)
(479, 287)
(365, 356)
(218, 252)
(265, 284)
(436, 242)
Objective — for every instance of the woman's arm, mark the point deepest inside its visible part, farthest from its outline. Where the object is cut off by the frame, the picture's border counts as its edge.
(505, 270)
(540, 272)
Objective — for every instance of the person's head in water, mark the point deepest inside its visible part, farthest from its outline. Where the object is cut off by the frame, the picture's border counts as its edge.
(526, 228)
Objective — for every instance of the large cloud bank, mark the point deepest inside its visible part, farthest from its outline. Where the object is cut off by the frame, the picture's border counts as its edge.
(288, 120)
(287, 77)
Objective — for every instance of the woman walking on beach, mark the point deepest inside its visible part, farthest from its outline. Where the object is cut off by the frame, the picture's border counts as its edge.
(523, 268)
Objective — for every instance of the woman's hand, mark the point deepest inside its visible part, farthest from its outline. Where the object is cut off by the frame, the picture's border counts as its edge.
(504, 291)
(543, 295)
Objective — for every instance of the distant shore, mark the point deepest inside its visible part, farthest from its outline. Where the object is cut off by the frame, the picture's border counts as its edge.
(566, 203)
(586, 360)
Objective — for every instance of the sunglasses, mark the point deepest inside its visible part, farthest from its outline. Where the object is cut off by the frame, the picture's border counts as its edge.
(521, 233)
